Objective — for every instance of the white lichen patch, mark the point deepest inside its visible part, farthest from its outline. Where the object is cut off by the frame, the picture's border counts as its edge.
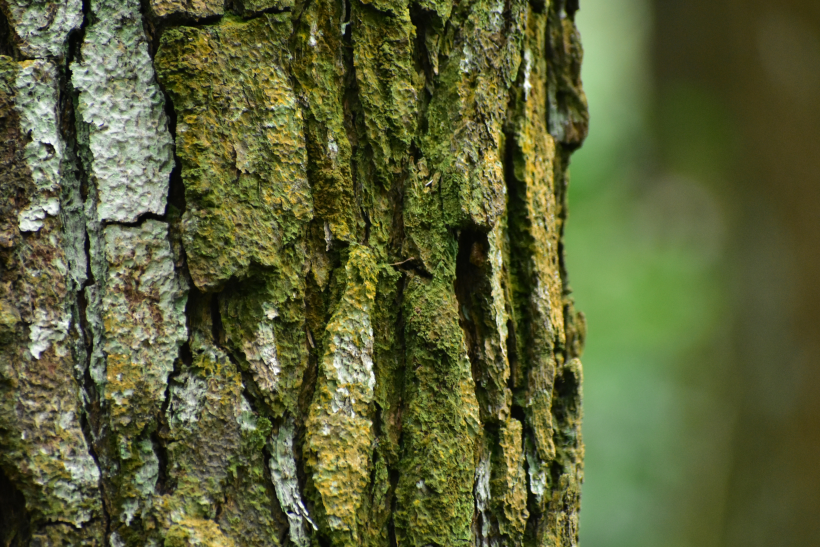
(42, 26)
(84, 475)
(482, 498)
(49, 327)
(123, 108)
(144, 482)
(313, 34)
(527, 73)
(148, 473)
(283, 475)
(496, 17)
(36, 105)
(143, 313)
(349, 361)
(31, 218)
(245, 416)
(115, 540)
(353, 364)
(466, 60)
(137, 313)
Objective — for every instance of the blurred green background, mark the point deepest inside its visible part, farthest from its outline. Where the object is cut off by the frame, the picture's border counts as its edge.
(693, 248)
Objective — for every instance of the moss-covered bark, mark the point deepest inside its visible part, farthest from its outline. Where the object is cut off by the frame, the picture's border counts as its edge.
(288, 273)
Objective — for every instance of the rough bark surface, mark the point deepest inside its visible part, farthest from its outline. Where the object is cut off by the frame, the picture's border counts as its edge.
(281, 272)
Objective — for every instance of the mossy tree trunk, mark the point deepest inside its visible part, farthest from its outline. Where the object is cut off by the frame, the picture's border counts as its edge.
(288, 273)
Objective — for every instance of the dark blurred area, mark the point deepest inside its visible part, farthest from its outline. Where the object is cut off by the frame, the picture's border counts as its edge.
(694, 249)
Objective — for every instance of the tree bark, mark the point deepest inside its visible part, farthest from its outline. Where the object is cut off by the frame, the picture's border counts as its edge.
(280, 272)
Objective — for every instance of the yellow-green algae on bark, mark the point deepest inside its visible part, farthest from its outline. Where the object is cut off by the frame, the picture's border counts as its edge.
(319, 69)
(198, 10)
(240, 143)
(243, 160)
(388, 84)
(339, 426)
(283, 272)
(467, 109)
(194, 9)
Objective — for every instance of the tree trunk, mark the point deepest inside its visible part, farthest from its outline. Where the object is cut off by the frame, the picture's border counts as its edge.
(288, 273)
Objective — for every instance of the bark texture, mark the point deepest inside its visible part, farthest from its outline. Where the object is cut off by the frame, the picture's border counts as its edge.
(281, 272)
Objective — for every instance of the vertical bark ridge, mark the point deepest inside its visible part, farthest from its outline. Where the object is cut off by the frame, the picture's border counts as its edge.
(312, 290)
(45, 453)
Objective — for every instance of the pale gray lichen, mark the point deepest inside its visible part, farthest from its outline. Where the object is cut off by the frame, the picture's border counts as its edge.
(283, 475)
(31, 218)
(115, 540)
(482, 498)
(42, 26)
(84, 476)
(36, 105)
(137, 313)
(143, 310)
(538, 474)
(145, 481)
(124, 110)
(261, 353)
(49, 327)
(245, 416)
(82, 467)
(187, 400)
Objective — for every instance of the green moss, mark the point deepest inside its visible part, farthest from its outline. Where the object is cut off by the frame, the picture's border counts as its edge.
(388, 360)
(440, 422)
(389, 86)
(319, 70)
(467, 111)
(428, 238)
(240, 142)
(264, 322)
